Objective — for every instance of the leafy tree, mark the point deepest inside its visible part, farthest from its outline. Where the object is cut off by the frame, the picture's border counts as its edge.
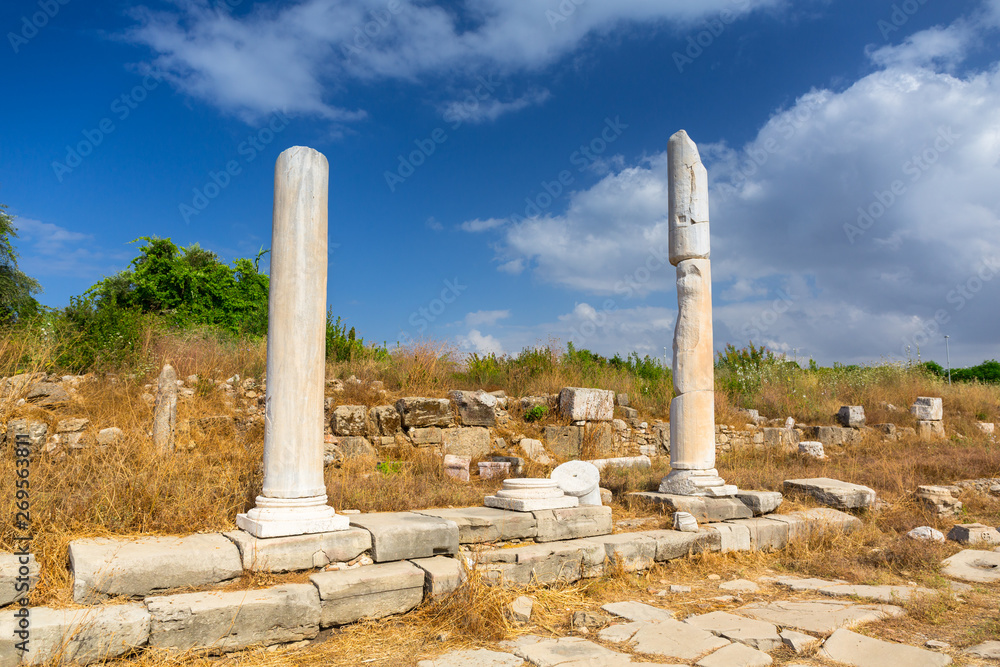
(16, 288)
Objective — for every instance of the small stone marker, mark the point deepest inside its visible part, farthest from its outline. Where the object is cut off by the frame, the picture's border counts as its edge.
(685, 522)
(493, 469)
(519, 610)
(812, 449)
(926, 408)
(926, 533)
(457, 467)
(165, 410)
(851, 416)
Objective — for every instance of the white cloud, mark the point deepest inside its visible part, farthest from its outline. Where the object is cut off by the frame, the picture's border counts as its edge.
(808, 236)
(478, 225)
(945, 47)
(488, 317)
(46, 250)
(479, 343)
(477, 111)
(298, 57)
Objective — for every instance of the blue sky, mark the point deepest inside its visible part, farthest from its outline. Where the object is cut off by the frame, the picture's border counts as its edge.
(852, 147)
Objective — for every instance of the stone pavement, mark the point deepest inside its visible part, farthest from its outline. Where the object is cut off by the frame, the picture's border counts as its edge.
(826, 627)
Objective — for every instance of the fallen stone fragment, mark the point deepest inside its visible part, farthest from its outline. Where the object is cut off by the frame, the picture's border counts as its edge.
(973, 565)
(988, 650)
(928, 409)
(812, 449)
(760, 502)
(667, 638)
(565, 651)
(854, 649)
(457, 467)
(735, 655)
(926, 533)
(851, 416)
(590, 620)
(879, 593)
(798, 641)
(760, 635)
(834, 493)
(637, 611)
(938, 500)
(479, 657)
(519, 610)
(685, 522)
(820, 617)
(806, 584)
(975, 534)
(937, 643)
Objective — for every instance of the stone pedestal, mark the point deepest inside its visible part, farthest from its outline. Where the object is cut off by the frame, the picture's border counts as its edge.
(580, 479)
(529, 495)
(293, 501)
(692, 411)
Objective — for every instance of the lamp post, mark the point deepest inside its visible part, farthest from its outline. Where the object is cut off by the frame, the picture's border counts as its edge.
(947, 350)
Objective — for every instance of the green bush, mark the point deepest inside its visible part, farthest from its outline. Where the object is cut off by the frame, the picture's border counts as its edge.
(535, 413)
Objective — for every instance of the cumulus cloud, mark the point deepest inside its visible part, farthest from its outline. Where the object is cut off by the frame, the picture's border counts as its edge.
(856, 223)
(481, 317)
(297, 57)
(479, 343)
(47, 249)
(476, 111)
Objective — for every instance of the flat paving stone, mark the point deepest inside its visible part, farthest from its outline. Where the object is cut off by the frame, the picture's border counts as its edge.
(834, 492)
(760, 635)
(806, 583)
(565, 652)
(973, 565)
(668, 639)
(888, 594)
(735, 655)
(854, 649)
(638, 611)
(479, 657)
(989, 650)
(740, 585)
(817, 616)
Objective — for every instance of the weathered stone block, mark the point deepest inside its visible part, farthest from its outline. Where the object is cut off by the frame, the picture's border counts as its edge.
(974, 534)
(477, 525)
(926, 408)
(821, 519)
(403, 535)
(78, 636)
(765, 534)
(931, 430)
(18, 576)
(760, 502)
(431, 435)
(385, 419)
(851, 416)
(833, 492)
(733, 536)
(299, 552)
(785, 439)
(442, 575)
(475, 408)
(580, 404)
(543, 563)
(671, 544)
(572, 522)
(219, 622)
(633, 551)
(104, 567)
(47, 394)
(564, 441)
(417, 412)
(374, 591)
(349, 420)
(471, 441)
(598, 437)
(703, 509)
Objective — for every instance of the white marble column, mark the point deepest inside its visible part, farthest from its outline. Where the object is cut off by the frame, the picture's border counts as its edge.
(293, 501)
(692, 411)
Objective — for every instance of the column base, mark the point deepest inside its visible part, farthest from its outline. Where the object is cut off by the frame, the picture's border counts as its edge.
(697, 483)
(282, 517)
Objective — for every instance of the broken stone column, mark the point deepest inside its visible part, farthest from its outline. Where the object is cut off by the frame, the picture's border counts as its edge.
(165, 411)
(293, 501)
(692, 411)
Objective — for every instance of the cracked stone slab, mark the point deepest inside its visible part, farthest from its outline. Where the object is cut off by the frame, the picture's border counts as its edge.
(806, 583)
(760, 635)
(860, 651)
(989, 650)
(973, 565)
(820, 617)
(887, 594)
(477, 525)
(299, 552)
(565, 652)
(834, 492)
(479, 657)
(798, 641)
(638, 611)
(403, 535)
(735, 655)
(666, 638)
